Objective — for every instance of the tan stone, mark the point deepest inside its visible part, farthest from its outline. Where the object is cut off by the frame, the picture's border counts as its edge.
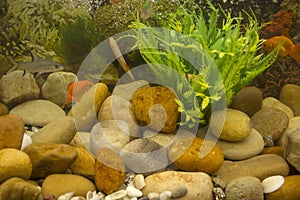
(110, 171)
(290, 96)
(59, 184)
(3, 109)
(289, 190)
(278, 150)
(11, 131)
(199, 185)
(271, 102)
(14, 163)
(156, 107)
(84, 164)
(195, 154)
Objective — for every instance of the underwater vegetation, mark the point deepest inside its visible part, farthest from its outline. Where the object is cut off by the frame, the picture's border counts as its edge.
(233, 47)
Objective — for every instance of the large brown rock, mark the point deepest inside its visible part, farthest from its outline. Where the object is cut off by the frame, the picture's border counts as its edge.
(11, 131)
(156, 107)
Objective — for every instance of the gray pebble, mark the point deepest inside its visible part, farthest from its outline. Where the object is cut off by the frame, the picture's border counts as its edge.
(179, 191)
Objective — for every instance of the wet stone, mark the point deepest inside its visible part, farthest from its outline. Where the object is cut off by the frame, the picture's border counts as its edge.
(50, 158)
(270, 122)
(248, 100)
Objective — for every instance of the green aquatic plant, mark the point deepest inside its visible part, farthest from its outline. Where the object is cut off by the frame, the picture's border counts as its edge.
(233, 47)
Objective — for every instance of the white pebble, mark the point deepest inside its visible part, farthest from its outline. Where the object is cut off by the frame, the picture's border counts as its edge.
(153, 196)
(66, 196)
(133, 192)
(272, 183)
(119, 195)
(166, 195)
(139, 181)
(26, 141)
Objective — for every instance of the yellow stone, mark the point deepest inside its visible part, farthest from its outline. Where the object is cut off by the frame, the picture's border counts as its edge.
(196, 155)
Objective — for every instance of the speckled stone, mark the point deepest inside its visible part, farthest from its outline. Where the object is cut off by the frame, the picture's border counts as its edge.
(196, 155)
(11, 131)
(50, 158)
(289, 190)
(60, 184)
(261, 167)
(293, 122)
(271, 102)
(17, 188)
(38, 112)
(246, 188)
(251, 146)
(270, 121)
(61, 130)
(3, 109)
(290, 95)
(110, 171)
(144, 156)
(156, 107)
(248, 100)
(85, 111)
(14, 163)
(199, 185)
(230, 125)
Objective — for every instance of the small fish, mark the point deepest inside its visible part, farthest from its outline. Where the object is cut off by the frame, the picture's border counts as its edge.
(146, 11)
(76, 90)
(38, 66)
(115, 48)
(287, 47)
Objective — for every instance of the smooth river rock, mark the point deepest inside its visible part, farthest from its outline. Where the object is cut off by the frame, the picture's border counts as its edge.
(196, 155)
(61, 130)
(18, 188)
(14, 163)
(60, 184)
(85, 110)
(261, 167)
(50, 158)
(293, 122)
(16, 88)
(246, 188)
(199, 185)
(38, 112)
(11, 131)
(156, 107)
(248, 100)
(56, 85)
(251, 146)
(288, 191)
(230, 125)
(271, 102)
(292, 147)
(290, 96)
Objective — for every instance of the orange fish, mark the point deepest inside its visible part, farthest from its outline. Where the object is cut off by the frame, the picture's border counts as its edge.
(76, 90)
(287, 47)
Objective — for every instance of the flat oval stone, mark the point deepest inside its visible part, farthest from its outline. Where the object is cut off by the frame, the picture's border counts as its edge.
(50, 158)
(194, 155)
(271, 102)
(246, 188)
(180, 191)
(14, 163)
(11, 131)
(38, 112)
(60, 184)
(288, 191)
(272, 183)
(261, 167)
(144, 156)
(249, 147)
(290, 96)
(270, 121)
(248, 100)
(232, 126)
(170, 180)
(61, 130)
(110, 171)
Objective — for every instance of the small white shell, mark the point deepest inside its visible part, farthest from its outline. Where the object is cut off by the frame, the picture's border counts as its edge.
(66, 196)
(94, 196)
(272, 183)
(133, 192)
(153, 196)
(166, 195)
(119, 195)
(139, 181)
(26, 141)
